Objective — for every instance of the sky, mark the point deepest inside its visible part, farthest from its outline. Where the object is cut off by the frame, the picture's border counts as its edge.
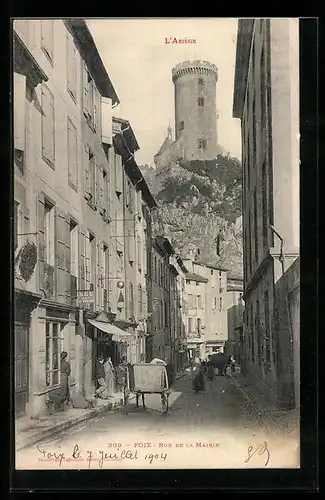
(139, 64)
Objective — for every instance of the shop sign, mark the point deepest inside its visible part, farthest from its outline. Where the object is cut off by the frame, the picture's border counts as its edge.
(86, 299)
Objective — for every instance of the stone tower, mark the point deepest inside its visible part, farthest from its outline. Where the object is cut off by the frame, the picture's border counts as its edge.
(195, 109)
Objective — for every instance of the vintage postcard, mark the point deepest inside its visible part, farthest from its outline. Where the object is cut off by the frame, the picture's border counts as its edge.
(156, 243)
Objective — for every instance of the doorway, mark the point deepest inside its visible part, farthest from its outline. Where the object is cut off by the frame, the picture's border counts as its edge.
(21, 368)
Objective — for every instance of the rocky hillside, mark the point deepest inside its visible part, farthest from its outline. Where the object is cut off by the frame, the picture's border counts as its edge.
(197, 201)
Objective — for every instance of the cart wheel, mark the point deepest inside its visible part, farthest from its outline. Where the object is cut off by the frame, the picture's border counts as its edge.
(164, 403)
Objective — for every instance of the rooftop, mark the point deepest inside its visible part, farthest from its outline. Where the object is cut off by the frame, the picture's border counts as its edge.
(92, 58)
(218, 267)
(196, 277)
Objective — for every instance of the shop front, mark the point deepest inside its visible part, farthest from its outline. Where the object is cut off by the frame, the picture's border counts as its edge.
(109, 342)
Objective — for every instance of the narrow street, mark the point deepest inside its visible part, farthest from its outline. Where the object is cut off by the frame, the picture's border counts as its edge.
(217, 423)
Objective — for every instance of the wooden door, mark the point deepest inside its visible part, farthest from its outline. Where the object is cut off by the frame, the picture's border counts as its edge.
(21, 367)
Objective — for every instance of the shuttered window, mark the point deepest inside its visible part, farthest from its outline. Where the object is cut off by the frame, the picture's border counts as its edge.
(63, 257)
(48, 128)
(89, 176)
(71, 67)
(47, 39)
(72, 155)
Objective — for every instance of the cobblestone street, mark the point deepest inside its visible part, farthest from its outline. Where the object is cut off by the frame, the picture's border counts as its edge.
(215, 429)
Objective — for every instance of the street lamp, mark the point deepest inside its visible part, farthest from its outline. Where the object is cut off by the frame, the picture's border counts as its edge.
(120, 284)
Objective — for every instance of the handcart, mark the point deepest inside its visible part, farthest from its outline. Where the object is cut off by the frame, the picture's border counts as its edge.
(146, 378)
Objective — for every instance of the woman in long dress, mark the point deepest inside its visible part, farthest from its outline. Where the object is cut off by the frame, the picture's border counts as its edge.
(198, 380)
(109, 376)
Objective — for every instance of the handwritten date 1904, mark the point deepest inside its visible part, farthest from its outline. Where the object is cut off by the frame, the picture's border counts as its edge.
(259, 450)
(155, 456)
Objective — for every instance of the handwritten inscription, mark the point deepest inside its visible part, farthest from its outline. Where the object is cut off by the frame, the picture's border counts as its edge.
(260, 450)
(99, 457)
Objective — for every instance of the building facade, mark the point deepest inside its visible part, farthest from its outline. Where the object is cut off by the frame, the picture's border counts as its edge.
(82, 215)
(266, 100)
(161, 324)
(50, 58)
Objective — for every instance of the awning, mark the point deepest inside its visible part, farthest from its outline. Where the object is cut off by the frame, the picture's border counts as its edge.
(117, 333)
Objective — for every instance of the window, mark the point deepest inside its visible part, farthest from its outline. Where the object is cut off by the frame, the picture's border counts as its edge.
(267, 328)
(48, 130)
(103, 192)
(202, 144)
(199, 302)
(254, 126)
(198, 325)
(211, 271)
(131, 302)
(197, 283)
(190, 325)
(181, 125)
(71, 67)
(47, 38)
(49, 233)
(252, 333)
(258, 333)
(264, 205)
(72, 155)
(200, 81)
(74, 248)
(190, 300)
(129, 199)
(263, 88)
(255, 227)
(220, 304)
(91, 101)
(53, 349)
(200, 102)
(90, 176)
(90, 260)
(140, 308)
(139, 253)
(16, 231)
(188, 282)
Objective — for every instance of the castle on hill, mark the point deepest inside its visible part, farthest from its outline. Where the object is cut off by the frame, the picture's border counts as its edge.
(195, 116)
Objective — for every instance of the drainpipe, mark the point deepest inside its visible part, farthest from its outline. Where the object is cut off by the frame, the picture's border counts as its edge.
(281, 256)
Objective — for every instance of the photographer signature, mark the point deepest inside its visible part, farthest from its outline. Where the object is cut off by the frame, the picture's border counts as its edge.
(259, 450)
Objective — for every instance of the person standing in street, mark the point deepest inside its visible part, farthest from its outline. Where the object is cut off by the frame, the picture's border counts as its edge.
(109, 376)
(210, 369)
(65, 373)
(100, 376)
(198, 380)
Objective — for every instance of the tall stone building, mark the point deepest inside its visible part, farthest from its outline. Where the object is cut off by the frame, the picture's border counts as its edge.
(195, 116)
(195, 108)
(266, 100)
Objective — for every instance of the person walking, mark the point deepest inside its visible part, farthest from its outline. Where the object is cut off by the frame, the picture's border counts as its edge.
(198, 380)
(210, 369)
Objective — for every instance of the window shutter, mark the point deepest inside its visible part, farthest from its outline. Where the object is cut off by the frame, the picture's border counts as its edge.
(98, 176)
(101, 189)
(145, 248)
(19, 111)
(87, 181)
(98, 281)
(47, 35)
(47, 124)
(85, 91)
(71, 66)
(41, 240)
(81, 284)
(72, 154)
(88, 262)
(61, 254)
(96, 101)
